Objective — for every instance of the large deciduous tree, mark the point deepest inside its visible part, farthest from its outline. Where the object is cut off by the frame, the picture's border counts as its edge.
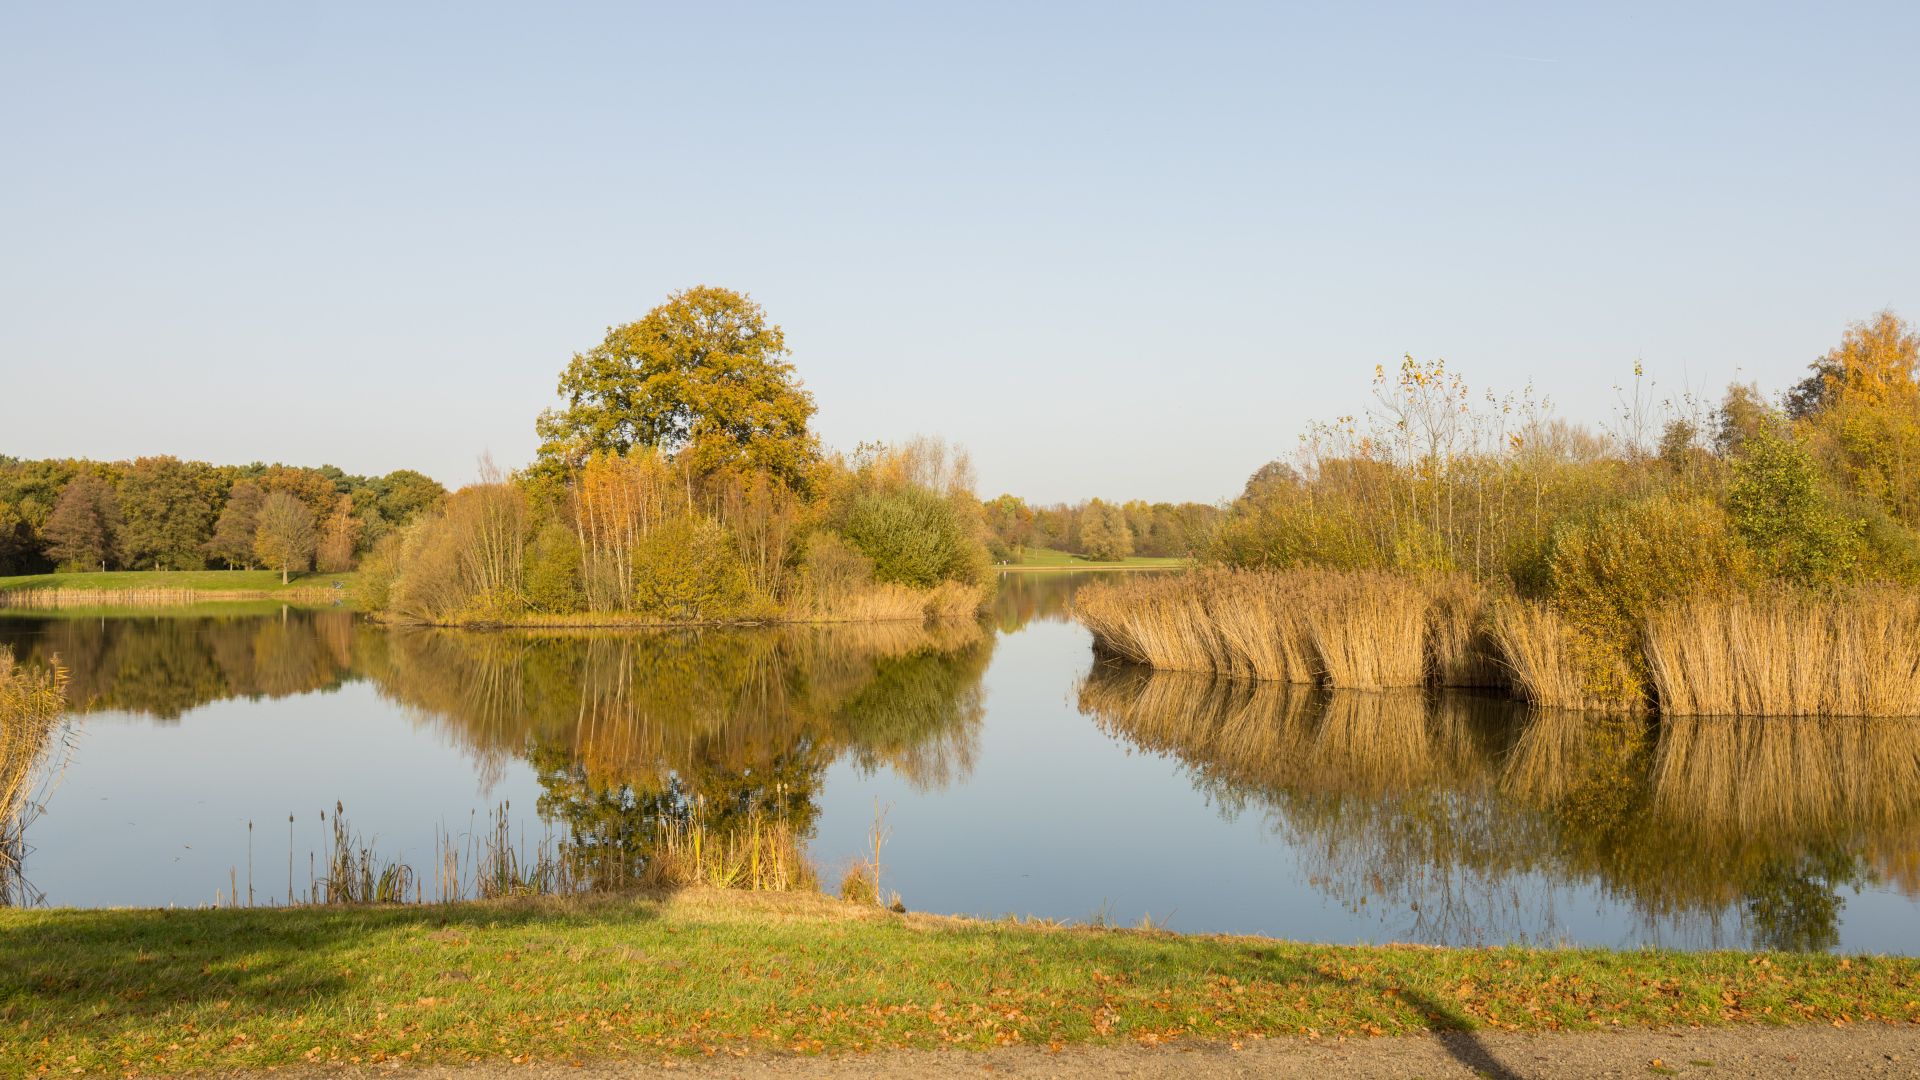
(167, 514)
(339, 538)
(233, 534)
(285, 536)
(703, 377)
(1104, 532)
(405, 494)
(83, 532)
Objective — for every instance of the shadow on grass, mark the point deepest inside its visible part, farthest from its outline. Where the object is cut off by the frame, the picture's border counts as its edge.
(1454, 1030)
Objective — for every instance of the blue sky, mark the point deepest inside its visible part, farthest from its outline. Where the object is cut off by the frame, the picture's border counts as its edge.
(1116, 250)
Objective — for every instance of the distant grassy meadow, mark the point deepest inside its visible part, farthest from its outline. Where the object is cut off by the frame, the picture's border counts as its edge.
(702, 972)
(210, 581)
(1042, 558)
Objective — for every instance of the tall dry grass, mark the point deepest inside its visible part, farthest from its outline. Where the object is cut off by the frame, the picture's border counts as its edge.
(31, 701)
(1546, 664)
(1854, 652)
(1367, 631)
(1346, 630)
(1460, 644)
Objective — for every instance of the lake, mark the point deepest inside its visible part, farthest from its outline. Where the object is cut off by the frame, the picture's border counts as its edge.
(1012, 773)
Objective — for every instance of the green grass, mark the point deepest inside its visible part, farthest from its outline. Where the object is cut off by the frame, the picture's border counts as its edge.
(201, 580)
(158, 992)
(1038, 558)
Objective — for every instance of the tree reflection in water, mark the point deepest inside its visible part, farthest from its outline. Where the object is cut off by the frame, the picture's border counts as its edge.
(633, 735)
(1469, 816)
(161, 666)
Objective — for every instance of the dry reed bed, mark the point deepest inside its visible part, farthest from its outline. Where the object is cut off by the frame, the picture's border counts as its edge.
(1855, 652)
(1546, 665)
(1355, 631)
(44, 599)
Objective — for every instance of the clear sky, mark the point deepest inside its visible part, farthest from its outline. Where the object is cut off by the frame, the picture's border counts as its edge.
(1115, 250)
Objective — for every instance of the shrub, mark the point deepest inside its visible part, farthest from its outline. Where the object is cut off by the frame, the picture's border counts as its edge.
(379, 568)
(914, 538)
(1780, 507)
(428, 586)
(553, 582)
(1613, 568)
(689, 570)
(1889, 551)
(832, 571)
(1281, 533)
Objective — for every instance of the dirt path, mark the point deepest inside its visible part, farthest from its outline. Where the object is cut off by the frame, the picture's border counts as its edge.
(1770, 1052)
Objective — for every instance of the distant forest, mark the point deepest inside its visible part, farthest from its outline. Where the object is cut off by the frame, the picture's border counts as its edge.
(162, 513)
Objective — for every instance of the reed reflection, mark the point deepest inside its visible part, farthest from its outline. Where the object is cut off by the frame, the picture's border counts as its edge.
(1469, 817)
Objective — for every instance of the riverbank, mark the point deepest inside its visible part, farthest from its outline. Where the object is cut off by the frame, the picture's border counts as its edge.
(168, 588)
(702, 972)
(1049, 559)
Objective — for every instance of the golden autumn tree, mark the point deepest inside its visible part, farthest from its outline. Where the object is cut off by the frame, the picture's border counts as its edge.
(703, 378)
(284, 536)
(1861, 410)
(339, 538)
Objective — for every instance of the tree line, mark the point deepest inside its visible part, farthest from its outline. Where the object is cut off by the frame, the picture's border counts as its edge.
(1098, 529)
(163, 513)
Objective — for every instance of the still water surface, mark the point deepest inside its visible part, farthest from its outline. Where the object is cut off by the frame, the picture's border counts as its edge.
(1017, 776)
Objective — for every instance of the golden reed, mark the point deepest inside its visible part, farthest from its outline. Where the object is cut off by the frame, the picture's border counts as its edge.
(1354, 631)
(1852, 652)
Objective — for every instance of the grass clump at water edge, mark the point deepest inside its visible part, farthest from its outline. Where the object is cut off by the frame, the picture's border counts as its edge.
(32, 700)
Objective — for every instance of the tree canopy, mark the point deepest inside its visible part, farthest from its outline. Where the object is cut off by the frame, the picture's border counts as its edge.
(286, 534)
(703, 377)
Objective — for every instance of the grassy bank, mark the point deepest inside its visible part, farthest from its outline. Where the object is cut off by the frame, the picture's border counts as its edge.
(158, 992)
(143, 589)
(1039, 558)
(210, 581)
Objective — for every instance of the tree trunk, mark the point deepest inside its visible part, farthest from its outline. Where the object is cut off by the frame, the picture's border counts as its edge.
(283, 574)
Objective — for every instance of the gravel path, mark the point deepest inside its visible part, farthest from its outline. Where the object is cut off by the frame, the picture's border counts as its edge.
(1719, 1052)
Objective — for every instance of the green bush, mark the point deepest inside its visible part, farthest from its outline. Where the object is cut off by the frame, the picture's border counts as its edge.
(1612, 568)
(1277, 534)
(914, 538)
(688, 570)
(1783, 511)
(1889, 551)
